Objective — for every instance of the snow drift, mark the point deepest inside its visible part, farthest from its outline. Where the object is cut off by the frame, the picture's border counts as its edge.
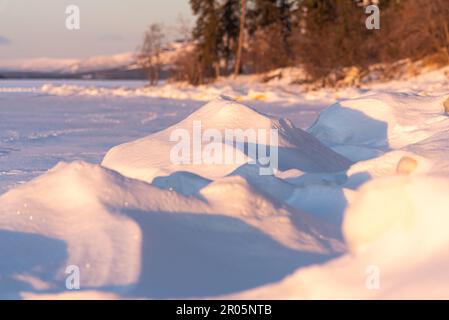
(395, 223)
(149, 157)
(132, 238)
(360, 128)
(141, 226)
(396, 226)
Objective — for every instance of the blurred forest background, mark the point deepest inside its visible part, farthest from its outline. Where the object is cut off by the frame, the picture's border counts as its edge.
(328, 39)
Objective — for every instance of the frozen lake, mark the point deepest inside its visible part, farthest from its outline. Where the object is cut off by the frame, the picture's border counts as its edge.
(39, 129)
(138, 226)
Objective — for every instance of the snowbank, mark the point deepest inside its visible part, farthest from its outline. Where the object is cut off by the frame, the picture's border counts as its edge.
(380, 122)
(134, 239)
(140, 225)
(395, 223)
(177, 91)
(66, 206)
(396, 229)
(404, 213)
(151, 156)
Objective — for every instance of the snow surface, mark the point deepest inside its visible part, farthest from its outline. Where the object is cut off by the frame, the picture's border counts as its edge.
(150, 157)
(75, 191)
(397, 225)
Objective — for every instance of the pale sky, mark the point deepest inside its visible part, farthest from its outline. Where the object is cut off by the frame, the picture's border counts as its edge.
(36, 28)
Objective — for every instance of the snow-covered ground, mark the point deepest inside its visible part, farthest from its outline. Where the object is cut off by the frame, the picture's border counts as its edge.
(358, 208)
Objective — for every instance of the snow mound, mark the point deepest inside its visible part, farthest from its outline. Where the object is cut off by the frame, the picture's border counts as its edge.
(389, 164)
(185, 183)
(67, 204)
(126, 236)
(272, 185)
(403, 212)
(289, 226)
(380, 121)
(328, 202)
(435, 149)
(396, 229)
(150, 157)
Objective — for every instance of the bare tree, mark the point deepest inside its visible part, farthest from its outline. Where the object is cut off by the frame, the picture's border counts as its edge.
(266, 50)
(238, 59)
(184, 28)
(187, 67)
(150, 52)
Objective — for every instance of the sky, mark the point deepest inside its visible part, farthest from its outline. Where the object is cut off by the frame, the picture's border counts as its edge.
(37, 28)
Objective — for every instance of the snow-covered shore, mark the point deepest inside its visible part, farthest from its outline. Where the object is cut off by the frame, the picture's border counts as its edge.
(358, 208)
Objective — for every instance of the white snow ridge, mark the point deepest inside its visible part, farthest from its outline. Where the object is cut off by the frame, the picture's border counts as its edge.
(135, 237)
(365, 188)
(143, 240)
(149, 157)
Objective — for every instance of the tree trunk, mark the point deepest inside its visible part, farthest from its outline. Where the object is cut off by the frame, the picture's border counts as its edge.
(238, 59)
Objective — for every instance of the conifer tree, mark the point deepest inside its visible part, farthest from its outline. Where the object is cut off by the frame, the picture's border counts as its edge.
(229, 31)
(207, 37)
(273, 13)
(238, 58)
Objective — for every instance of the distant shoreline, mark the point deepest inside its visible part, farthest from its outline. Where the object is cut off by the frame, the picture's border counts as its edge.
(136, 74)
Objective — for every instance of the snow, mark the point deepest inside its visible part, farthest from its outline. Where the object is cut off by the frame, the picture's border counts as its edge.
(68, 207)
(125, 60)
(357, 210)
(69, 65)
(380, 121)
(151, 156)
(397, 225)
(98, 220)
(36, 64)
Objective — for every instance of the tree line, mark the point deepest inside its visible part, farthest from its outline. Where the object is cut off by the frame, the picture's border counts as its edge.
(322, 36)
